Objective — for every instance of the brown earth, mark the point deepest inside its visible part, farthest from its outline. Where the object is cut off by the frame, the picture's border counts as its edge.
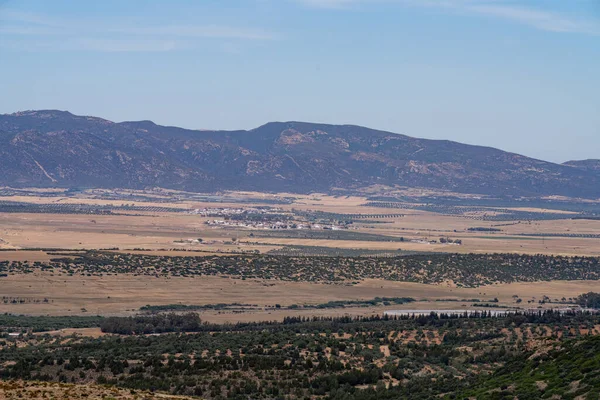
(13, 390)
(125, 294)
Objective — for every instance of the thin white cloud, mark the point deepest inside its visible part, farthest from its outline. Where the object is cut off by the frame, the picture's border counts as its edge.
(543, 20)
(331, 4)
(194, 31)
(537, 18)
(16, 16)
(27, 31)
(122, 45)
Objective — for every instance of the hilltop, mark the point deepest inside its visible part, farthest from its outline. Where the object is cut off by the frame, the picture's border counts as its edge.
(585, 165)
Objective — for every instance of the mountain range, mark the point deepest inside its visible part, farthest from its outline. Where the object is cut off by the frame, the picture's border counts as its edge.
(49, 148)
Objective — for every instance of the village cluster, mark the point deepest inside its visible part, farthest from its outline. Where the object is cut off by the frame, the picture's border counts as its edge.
(260, 218)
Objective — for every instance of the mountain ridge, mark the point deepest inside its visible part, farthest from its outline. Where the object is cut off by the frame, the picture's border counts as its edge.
(591, 164)
(57, 148)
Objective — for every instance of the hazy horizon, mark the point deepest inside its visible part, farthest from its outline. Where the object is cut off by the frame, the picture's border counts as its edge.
(521, 76)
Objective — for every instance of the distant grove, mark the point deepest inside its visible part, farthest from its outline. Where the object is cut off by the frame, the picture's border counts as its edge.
(467, 270)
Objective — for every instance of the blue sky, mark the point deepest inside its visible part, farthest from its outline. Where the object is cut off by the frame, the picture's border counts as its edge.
(521, 75)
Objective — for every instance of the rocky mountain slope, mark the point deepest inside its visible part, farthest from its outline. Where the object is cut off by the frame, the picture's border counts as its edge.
(585, 165)
(56, 148)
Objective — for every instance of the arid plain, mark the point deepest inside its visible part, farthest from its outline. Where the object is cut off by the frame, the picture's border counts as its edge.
(180, 226)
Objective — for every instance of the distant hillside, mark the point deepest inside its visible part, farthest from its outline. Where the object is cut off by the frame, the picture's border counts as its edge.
(585, 165)
(55, 148)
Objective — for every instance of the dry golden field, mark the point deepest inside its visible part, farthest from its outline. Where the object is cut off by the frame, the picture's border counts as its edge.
(125, 294)
(167, 233)
(174, 230)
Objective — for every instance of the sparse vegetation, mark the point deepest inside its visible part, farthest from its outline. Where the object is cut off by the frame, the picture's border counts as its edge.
(21, 323)
(467, 270)
(408, 357)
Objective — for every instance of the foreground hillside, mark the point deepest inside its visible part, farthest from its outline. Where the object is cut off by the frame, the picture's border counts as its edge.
(569, 371)
(372, 358)
(53, 148)
(14, 390)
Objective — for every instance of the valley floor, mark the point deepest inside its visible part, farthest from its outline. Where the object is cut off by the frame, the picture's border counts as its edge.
(124, 294)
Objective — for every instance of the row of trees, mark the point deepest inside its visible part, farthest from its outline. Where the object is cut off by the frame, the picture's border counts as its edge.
(589, 300)
(160, 323)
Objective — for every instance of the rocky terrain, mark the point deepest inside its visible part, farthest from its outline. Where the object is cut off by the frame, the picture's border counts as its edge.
(585, 165)
(58, 149)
